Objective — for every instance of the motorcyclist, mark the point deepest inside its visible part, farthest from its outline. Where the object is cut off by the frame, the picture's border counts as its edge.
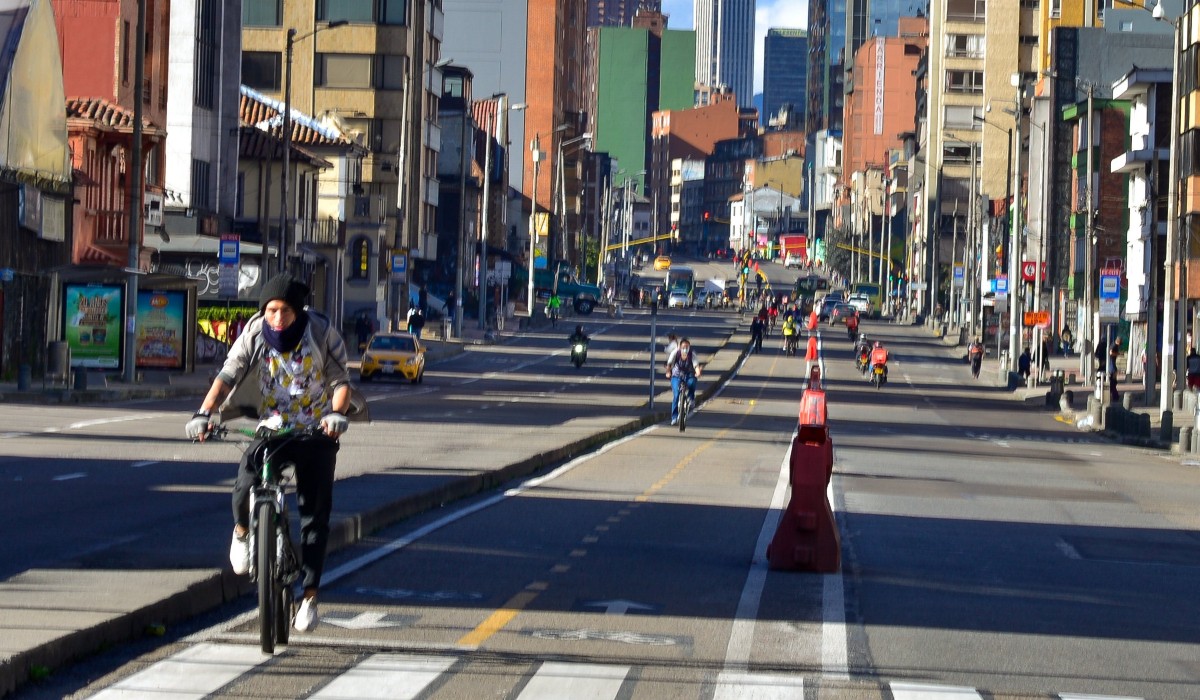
(879, 358)
(852, 325)
(579, 337)
(975, 354)
(862, 352)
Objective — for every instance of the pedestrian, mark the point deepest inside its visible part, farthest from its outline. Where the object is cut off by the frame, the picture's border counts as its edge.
(423, 300)
(1193, 369)
(362, 330)
(1113, 353)
(756, 334)
(1023, 363)
(1066, 340)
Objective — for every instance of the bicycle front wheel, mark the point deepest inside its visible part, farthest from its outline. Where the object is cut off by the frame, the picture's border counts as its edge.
(683, 408)
(268, 600)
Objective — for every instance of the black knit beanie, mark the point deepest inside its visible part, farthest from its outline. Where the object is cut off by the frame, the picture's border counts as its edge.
(286, 287)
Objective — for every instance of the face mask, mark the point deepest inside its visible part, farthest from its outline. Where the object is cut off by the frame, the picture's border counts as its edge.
(287, 339)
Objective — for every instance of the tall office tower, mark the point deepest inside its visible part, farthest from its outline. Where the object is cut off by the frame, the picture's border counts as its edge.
(785, 71)
(725, 46)
(618, 13)
(826, 43)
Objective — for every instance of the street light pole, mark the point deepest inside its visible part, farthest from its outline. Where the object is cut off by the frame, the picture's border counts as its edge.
(287, 135)
(536, 158)
(1169, 323)
(135, 200)
(1014, 254)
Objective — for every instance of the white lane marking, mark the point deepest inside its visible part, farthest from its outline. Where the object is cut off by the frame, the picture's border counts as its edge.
(139, 465)
(741, 636)
(68, 477)
(115, 419)
(1076, 696)
(758, 686)
(397, 676)
(194, 672)
(555, 680)
(919, 691)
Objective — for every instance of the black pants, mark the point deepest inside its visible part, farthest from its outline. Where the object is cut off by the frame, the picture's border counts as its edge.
(315, 458)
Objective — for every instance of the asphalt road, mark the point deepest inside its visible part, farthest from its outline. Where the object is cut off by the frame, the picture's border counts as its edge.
(988, 549)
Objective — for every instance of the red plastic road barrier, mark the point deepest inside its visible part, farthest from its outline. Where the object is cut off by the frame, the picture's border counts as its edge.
(807, 537)
(812, 401)
(812, 349)
(813, 320)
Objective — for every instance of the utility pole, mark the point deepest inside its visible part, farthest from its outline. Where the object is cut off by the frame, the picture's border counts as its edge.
(135, 199)
(1014, 253)
(1169, 376)
(1089, 264)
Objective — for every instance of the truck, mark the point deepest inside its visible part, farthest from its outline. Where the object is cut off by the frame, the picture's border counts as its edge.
(793, 249)
(583, 296)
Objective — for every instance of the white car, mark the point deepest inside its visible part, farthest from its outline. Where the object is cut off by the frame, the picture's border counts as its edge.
(861, 303)
(678, 300)
(793, 260)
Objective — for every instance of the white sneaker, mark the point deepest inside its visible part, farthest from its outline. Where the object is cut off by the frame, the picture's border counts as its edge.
(239, 553)
(306, 616)
(674, 421)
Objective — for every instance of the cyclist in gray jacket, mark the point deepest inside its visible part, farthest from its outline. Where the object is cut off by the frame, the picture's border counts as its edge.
(289, 364)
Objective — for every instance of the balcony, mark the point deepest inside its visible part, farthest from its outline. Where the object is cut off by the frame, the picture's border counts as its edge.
(329, 232)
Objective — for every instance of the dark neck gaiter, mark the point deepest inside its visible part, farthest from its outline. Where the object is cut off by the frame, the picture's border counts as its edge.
(287, 339)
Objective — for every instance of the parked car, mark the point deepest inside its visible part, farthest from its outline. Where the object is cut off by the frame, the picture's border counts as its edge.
(392, 354)
(793, 260)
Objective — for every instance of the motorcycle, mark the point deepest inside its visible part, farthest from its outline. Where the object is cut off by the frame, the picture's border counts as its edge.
(879, 376)
(852, 333)
(578, 353)
(860, 360)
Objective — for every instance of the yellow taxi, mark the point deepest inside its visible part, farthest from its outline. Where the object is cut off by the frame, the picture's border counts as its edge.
(392, 355)
(662, 262)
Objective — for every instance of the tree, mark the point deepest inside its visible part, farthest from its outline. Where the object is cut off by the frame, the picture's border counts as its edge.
(837, 257)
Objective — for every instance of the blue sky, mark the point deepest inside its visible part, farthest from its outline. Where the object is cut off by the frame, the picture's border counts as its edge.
(768, 14)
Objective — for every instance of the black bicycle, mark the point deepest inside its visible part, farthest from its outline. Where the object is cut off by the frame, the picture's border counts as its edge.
(274, 562)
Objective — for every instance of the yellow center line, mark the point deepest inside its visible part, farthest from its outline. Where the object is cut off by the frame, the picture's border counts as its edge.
(497, 620)
(505, 614)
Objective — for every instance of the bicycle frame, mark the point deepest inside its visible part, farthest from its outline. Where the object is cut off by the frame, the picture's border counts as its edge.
(271, 488)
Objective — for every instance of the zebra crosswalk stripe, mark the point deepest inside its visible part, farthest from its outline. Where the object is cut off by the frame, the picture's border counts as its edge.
(191, 674)
(556, 680)
(393, 676)
(758, 686)
(919, 691)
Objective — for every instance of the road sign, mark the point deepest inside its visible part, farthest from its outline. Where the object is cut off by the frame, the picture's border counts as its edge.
(959, 275)
(1110, 309)
(1027, 270)
(1110, 285)
(1037, 319)
(229, 250)
(1000, 284)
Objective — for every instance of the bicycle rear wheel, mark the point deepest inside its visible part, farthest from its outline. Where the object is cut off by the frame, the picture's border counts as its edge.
(268, 600)
(683, 408)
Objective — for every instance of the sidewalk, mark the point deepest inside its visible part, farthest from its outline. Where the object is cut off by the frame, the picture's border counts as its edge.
(53, 616)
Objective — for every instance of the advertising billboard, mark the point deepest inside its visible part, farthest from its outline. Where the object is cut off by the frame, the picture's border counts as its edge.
(160, 329)
(92, 324)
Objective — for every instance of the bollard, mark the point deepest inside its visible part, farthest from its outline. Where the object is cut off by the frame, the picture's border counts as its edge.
(1166, 428)
(1185, 438)
(1177, 400)
(807, 536)
(81, 379)
(1143, 425)
(1127, 401)
(24, 377)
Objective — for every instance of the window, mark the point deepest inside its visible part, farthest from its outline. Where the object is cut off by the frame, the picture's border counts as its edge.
(343, 70)
(201, 185)
(956, 154)
(261, 70)
(965, 10)
(391, 72)
(965, 45)
(963, 117)
(362, 206)
(205, 69)
(239, 201)
(379, 11)
(964, 81)
(1055, 9)
(125, 53)
(262, 13)
(360, 258)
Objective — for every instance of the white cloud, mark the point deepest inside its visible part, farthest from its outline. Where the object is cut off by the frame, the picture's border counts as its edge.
(768, 14)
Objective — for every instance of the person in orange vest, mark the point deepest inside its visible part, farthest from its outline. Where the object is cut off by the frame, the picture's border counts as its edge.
(879, 358)
(852, 326)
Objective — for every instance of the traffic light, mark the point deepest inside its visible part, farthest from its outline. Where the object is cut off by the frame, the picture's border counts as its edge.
(707, 216)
